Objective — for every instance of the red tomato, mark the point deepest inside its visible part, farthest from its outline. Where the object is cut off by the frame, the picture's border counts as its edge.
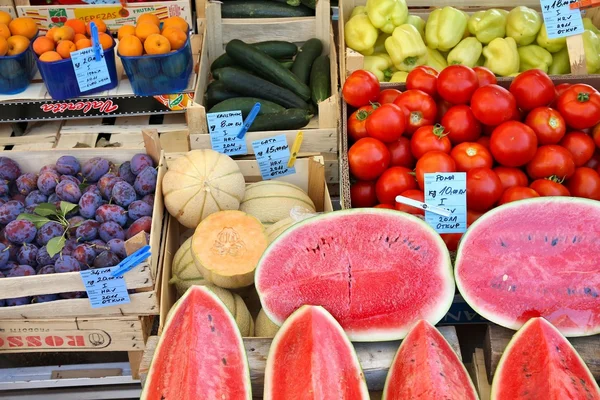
(386, 123)
(580, 106)
(547, 123)
(429, 138)
(470, 155)
(585, 182)
(457, 83)
(493, 105)
(513, 144)
(596, 135)
(393, 182)
(361, 88)
(401, 155)
(594, 162)
(414, 194)
(357, 122)
(485, 76)
(517, 193)
(461, 124)
(419, 107)
(562, 87)
(551, 160)
(511, 177)
(484, 141)
(388, 96)
(483, 189)
(362, 194)
(443, 106)
(547, 187)
(368, 158)
(423, 78)
(580, 145)
(473, 216)
(388, 206)
(533, 89)
(452, 240)
(434, 161)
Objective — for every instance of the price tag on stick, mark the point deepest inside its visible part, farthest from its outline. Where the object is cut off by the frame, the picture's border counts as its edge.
(561, 20)
(447, 190)
(104, 289)
(224, 128)
(89, 64)
(272, 155)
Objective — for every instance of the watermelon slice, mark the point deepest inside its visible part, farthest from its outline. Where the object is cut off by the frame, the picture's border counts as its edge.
(312, 359)
(539, 363)
(535, 258)
(200, 354)
(426, 367)
(376, 271)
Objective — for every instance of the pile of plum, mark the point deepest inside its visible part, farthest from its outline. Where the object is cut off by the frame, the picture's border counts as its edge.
(106, 204)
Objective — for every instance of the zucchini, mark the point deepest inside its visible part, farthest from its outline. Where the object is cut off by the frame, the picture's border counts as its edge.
(320, 79)
(262, 9)
(252, 86)
(216, 92)
(309, 3)
(245, 104)
(275, 48)
(267, 67)
(305, 58)
(294, 118)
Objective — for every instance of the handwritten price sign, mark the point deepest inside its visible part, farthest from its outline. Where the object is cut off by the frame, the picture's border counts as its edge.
(103, 289)
(449, 191)
(89, 72)
(223, 128)
(560, 19)
(272, 155)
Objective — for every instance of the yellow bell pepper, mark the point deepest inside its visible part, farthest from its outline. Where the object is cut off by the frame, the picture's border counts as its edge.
(380, 65)
(418, 23)
(380, 43)
(466, 34)
(589, 25)
(436, 60)
(445, 28)
(591, 46)
(488, 25)
(360, 34)
(534, 57)
(406, 48)
(387, 14)
(523, 25)
(467, 52)
(358, 10)
(399, 77)
(552, 45)
(501, 56)
(560, 63)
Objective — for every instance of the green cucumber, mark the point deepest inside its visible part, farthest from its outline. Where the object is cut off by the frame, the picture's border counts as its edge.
(277, 49)
(320, 79)
(252, 86)
(287, 64)
(309, 3)
(262, 9)
(245, 104)
(216, 92)
(267, 67)
(294, 118)
(305, 58)
(293, 3)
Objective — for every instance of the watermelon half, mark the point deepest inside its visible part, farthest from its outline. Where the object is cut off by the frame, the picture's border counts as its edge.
(426, 367)
(311, 358)
(376, 271)
(200, 354)
(535, 258)
(539, 363)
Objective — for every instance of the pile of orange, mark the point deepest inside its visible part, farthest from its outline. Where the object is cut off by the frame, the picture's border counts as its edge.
(74, 35)
(15, 34)
(146, 37)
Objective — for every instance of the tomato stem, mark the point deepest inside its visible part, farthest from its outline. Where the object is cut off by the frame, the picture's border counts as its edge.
(582, 97)
(438, 130)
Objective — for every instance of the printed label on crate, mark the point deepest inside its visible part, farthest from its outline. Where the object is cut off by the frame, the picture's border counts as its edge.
(560, 19)
(223, 128)
(272, 155)
(90, 73)
(461, 313)
(447, 190)
(35, 339)
(103, 289)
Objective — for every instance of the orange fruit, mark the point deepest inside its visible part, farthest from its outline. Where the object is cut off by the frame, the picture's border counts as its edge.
(148, 17)
(125, 30)
(157, 44)
(3, 46)
(77, 25)
(64, 33)
(51, 32)
(177, 22)
(23, 26)
(106, 41)
(4, 31)
(16, 45)
(50, 56)
(99, 24)
(65, 47)
(42, 45)
(5, 17)
(145, 29)
(78, 37)
(130, 46)
(175, 36)
(83, 43)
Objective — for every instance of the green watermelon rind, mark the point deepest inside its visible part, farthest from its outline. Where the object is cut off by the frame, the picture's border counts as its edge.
(390, 334)
(488, 314)
(285, 327)
(496, 381)
(240, 342)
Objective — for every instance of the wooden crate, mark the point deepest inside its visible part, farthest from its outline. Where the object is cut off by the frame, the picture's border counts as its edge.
(478, 374)
(9, 7)
(29, 136)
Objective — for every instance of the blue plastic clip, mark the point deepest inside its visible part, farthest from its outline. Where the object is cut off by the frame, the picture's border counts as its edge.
(249, 120)
(131, 261)
(96, 41)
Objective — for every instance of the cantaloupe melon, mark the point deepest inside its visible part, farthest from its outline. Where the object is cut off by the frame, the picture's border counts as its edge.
(264, 327)
(272, 201)
(184, 272)
(278, 228)
(200, 183)
(226, 247)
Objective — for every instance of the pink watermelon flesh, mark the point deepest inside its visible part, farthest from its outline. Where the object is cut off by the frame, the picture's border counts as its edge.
(312, 359)
(376, 271)
(200, 354)
(533, 258)
(426, 367)
(539, 363)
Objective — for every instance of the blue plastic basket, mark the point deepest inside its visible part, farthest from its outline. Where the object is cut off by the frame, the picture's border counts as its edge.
(17, 71)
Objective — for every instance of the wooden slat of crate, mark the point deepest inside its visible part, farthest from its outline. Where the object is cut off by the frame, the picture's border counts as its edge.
(37, 135)
(478, 374)
(497, 339)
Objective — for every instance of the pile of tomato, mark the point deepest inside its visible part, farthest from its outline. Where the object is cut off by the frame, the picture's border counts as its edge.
(534, 139)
